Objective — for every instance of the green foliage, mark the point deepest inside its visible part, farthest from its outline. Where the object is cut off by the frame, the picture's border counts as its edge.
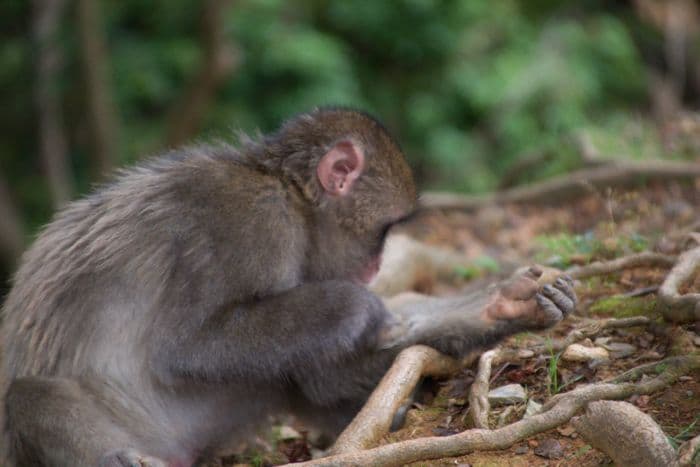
(468, 86)
(684, 434)
(479, 267)
(553, 386)
(561, 249)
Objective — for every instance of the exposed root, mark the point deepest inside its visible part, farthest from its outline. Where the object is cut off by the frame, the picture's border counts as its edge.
(568, 186)
(375, 418)
(479, 406)
(625, 433)
(644, 259)
(556, 412)
(408, 263)
(672, 304)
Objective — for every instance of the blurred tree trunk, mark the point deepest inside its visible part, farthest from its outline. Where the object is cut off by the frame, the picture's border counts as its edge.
(218, 60)
(52, 142)
(100, 106)
(11, 228)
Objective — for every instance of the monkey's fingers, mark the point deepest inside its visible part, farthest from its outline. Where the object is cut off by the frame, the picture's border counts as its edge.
(522, 287)
(534, 272)
(548, 312)
(566, 286)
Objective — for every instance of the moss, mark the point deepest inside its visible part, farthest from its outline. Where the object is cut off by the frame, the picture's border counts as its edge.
(623, 307)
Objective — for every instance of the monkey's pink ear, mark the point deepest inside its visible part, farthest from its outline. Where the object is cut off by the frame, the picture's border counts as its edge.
(340, 167)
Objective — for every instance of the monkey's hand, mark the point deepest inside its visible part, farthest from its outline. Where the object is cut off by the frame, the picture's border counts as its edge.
(458, 325)
(523, 302)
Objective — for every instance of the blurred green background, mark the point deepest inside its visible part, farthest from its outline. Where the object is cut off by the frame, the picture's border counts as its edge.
(473, 89)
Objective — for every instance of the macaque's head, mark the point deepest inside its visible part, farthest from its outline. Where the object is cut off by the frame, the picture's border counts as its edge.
(358, 183)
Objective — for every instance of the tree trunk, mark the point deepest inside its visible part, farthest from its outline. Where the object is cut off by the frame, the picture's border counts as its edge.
(52, 141)
(100, 107)
(218, 59)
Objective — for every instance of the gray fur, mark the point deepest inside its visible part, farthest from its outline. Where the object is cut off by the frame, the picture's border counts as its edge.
(175, 308)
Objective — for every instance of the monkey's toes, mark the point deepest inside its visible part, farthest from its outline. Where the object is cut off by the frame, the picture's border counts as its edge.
(130, 458)
(548, 313)
(565, 302)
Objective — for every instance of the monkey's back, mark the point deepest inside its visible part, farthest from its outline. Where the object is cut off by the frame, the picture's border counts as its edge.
(87, 292)
(54, 311)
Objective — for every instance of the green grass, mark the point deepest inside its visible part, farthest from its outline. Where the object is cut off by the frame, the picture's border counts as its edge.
(685, 434)
(559, 250)
(479, 267)
(623, 307)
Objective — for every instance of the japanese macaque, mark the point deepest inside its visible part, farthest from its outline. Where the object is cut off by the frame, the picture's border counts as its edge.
(172, 309)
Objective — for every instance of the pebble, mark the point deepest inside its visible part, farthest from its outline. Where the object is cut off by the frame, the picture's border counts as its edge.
(520, 450)
(620, 349)
(580, 353)
(550, 449)
(508, 394)
(287, 433)
(532, 408)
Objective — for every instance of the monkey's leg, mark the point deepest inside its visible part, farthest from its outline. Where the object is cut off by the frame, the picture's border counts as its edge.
(57, 422)
(458, 325)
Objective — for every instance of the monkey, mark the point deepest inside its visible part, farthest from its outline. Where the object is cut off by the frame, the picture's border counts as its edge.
(171, 309)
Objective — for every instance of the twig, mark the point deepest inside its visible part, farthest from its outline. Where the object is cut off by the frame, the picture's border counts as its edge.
(566, 187)
(674, 306)
(376, 416)
(591, 330)
(479, 406)
(559, 411)
(644, 259)
(640, 292)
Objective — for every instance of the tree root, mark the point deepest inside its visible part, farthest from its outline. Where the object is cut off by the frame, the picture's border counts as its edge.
(625, 433)
(375, 418)
(672, 305)
(479, 406)
(408, 263)
(556, 412)
(644, 259)
(568, 186)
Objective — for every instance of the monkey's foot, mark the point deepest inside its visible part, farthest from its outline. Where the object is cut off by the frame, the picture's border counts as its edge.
(130, 458)
(523, 299)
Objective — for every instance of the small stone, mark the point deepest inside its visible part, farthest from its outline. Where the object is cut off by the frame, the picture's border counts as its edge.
(533, 408)
(620, 349)
(566, 430)
(287, 432)
(602, 340)
(533, 443)
(690, 394)
(580, 353)
(696, 341)
(508, 394)
(520, 450)
(525, 353)
(550, 449)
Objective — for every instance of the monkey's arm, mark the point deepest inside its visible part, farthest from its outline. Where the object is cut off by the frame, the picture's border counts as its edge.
(298, 334)
(457, 325)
